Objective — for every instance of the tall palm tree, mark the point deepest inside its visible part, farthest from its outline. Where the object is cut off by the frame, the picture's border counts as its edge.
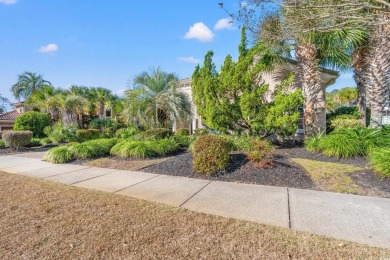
(46, 100)
(101, 96)
(27, 84)
(154, 100)
(71, 106)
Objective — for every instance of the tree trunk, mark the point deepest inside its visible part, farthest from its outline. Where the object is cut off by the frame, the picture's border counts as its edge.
(101, 110)
(379, 71)
(309, 77)
(360, 67)
(69, 119)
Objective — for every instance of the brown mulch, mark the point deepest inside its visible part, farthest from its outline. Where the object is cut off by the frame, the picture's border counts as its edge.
(45, 220)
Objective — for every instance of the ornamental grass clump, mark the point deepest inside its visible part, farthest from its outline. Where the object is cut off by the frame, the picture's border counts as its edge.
(17, 139)
(61, 154)
(380, 161)
(157, 133)
(94, 148)
(211, 154)
(144, 149)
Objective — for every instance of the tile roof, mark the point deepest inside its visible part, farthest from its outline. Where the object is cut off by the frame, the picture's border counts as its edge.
(12, 115)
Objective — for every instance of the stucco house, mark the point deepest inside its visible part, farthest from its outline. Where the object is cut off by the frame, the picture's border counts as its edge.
(327, 77)
(7, 119)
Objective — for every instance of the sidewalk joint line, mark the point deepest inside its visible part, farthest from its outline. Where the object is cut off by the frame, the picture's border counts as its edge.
(195, 194)
(61, 173)
(93, 177)
(288, 208)
(136, 184)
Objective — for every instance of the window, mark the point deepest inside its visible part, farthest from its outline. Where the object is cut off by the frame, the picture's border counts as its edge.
(301, 123)
(108, 112)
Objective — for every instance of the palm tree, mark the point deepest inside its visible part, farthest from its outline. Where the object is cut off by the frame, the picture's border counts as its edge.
(346, 96)
(71, 106)
(46, 100)
(154, 100)
(27, 84)
(101, 96)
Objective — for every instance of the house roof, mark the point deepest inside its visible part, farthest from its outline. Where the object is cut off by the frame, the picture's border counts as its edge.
(9, 116)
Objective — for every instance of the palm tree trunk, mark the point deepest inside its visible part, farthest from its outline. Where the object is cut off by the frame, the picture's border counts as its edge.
(69, 119)
(101, 110)
(379, 71)
(309, 77)
(360, 66)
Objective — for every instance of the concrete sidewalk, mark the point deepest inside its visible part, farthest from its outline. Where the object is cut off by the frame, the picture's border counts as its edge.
(349, 217)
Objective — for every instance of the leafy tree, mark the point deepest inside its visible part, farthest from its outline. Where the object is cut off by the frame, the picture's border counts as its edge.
(155, 101)
(46, 100)
(3, 103)
(234, 99)
(33, 121)
(27, 84)
(346, 96)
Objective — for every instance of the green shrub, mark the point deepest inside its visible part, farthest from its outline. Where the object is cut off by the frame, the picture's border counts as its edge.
(46, 141)
(125, 132)
(211, 154)
(2, 145)
(343, 122)
(83, 135)
(201, 131)
(260, 153)
(93, 148)
(312, 144)
(60, 134)
(157, 133)
(61, 154)
(32, 121)
(352, 142)
(16, 139)
(182, 132)
(95, 133)
(144, 149)
(380, 161)
(34, 142)
(183, 141)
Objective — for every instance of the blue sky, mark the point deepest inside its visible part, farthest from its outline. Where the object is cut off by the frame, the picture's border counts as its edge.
(106, 43)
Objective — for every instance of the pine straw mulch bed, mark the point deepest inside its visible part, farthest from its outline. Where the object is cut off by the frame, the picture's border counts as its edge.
(46, 220)
(285, 173)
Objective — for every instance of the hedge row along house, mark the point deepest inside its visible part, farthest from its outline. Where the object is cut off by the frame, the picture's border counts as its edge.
(273, 79)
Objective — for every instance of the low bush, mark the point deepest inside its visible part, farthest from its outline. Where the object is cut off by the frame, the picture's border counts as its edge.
(95, 133)
(2, 145)
(144, 149)
(182, 132)
(157, 133)
(201, 131)
(93, 148)
(211, 154)
(32, 121)
(34, 142)
(183, 140)
(126, 132)
(61, 154)
(380, 161)
(343, 122)
(349, 142)
(260, 153)
(83, 135)
(16, 139)
(46, 141)
(312, 144)
(60, 134)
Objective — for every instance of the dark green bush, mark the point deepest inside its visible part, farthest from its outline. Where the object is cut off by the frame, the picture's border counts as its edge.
(32, 121)
(211, 154)
(183, 141)
(380, 161)
(61, 154)
(16, 139)
(83, 135)
(126, 132)
(46, 141)
(60, 134)
(2, 145)
(182, 132)
(94, 132)
(201, 131)
(157, 133)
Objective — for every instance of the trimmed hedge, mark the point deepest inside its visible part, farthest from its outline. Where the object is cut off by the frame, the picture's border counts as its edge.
(32, 121)
(201, 131)
(211, 154)
(87, 134)
(342, 122)
(17, 139)
(157, 133)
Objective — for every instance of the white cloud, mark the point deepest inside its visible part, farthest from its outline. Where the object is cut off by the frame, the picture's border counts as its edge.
(8, 2)
(200, 32)
(225, 23)
(189, 60)
(52, 47)
(244, 4)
